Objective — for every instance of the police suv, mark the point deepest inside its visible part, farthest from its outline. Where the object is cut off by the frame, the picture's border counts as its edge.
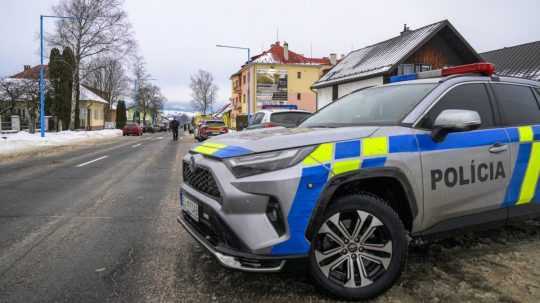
(443, 151)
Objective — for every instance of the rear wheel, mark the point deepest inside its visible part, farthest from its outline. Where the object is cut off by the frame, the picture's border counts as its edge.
(359, 249)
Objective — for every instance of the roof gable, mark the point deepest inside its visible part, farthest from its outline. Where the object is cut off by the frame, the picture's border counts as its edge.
(382, 57)
(276, 55)
(32, 73)
(521, 61)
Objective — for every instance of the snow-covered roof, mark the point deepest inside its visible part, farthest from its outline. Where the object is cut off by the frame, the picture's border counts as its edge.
(226, 108)
(276, 55)
(88, 95)
(521, 61)
(382, 57)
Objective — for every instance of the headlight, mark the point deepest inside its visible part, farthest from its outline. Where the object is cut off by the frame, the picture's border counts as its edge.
(265, 162)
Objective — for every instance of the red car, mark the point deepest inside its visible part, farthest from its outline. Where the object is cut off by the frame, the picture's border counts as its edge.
(132, 129)
(210, 128)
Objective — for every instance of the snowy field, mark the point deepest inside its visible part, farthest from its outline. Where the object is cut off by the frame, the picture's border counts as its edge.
(24, 142)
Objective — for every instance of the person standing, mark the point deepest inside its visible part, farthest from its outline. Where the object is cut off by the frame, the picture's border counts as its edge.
(174, 127)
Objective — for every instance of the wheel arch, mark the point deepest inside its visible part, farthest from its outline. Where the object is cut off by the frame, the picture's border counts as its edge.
(365, 176)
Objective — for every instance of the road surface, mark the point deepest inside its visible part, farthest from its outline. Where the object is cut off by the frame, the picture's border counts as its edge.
(97, 224)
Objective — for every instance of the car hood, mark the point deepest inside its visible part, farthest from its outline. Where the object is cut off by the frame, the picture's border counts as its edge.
(276, 138)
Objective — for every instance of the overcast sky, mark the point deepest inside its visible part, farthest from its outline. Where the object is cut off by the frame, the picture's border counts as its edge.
(178, 37)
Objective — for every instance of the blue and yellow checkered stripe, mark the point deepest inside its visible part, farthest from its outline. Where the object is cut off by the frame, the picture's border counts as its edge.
(524, 187)
(342, 157)
(219, 150)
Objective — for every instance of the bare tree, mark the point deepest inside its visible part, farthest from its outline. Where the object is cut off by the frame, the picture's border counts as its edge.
(11, 91)
(203, 91)
(108, 75)
(150, 100)
(30, 100)
(98, 27)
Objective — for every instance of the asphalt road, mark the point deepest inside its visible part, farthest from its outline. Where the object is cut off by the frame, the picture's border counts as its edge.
(97, 224)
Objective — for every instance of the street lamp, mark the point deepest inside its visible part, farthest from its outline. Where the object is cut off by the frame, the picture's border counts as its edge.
(41, 74)
(248, 91)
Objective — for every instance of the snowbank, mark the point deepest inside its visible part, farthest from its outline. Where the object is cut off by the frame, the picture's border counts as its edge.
(24, 142)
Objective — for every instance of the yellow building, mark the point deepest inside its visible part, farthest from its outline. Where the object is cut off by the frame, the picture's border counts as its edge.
(91, 109)
(277, 76)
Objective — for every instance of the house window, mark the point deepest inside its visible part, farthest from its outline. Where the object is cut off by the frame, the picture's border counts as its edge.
(244, 79)
(299, 75)
(422, 67)
(299, 96)
(334, 92)
(404, 69)
(244, 98)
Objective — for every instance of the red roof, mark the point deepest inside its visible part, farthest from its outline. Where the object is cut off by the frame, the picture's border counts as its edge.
(276, 55)
(31, 72)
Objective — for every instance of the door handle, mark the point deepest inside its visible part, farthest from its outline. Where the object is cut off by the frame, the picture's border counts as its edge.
(498, 148)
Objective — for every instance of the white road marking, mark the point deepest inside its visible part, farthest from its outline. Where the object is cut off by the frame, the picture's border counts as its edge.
(91, 161)
(136, 145)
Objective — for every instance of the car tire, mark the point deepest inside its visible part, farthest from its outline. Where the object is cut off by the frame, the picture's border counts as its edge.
(376, 248)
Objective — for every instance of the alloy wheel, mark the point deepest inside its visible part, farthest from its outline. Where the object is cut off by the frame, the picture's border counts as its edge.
(353, 248)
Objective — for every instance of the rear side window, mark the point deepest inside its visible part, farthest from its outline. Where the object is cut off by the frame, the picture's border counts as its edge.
(518, 104)
(467, 97)
(288, 118)
(257, 119)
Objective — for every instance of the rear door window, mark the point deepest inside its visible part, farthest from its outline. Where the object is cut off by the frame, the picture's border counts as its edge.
(518, 104)
(288, 118)
(468, 97)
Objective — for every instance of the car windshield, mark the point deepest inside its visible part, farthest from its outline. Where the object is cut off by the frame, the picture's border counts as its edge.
(257, 119)
(385, 105)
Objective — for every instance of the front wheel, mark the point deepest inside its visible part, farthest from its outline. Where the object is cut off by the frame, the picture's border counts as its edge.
(359, 249)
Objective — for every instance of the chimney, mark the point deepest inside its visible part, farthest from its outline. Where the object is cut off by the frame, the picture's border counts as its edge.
(333, 59)
(27, 67)
(406, 29)
(286, 51)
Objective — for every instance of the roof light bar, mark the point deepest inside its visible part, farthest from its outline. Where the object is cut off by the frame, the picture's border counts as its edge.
(406, 77)
(484, 68)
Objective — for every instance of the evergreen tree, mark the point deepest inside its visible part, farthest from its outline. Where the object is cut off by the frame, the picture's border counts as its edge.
(54, 94)
(68, 66)
(121, 117)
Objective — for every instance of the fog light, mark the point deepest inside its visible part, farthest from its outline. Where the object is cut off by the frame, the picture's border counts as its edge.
(273, 212)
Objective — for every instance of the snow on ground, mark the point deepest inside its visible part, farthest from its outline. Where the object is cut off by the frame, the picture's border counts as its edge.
(24, 142)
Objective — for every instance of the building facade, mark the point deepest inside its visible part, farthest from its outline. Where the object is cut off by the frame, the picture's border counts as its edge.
(433, 46)
(274, 77)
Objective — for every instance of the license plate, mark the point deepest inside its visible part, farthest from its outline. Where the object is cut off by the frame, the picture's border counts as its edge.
(190, 207)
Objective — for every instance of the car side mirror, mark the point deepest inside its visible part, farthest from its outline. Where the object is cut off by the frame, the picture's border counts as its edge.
(454, 120)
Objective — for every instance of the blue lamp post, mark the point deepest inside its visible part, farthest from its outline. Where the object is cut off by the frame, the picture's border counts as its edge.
(248, 95)
(42, 72)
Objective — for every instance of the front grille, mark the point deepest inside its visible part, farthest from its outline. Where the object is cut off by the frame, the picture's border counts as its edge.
(213, 229)
(202, 180)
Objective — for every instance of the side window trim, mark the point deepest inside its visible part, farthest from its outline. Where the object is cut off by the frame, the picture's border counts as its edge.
(535, 91)
(494, 108)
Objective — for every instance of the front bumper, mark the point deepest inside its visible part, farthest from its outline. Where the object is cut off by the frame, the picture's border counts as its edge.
(234, 259)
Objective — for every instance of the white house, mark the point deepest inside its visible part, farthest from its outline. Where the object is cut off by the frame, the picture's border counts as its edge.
(430, 47)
